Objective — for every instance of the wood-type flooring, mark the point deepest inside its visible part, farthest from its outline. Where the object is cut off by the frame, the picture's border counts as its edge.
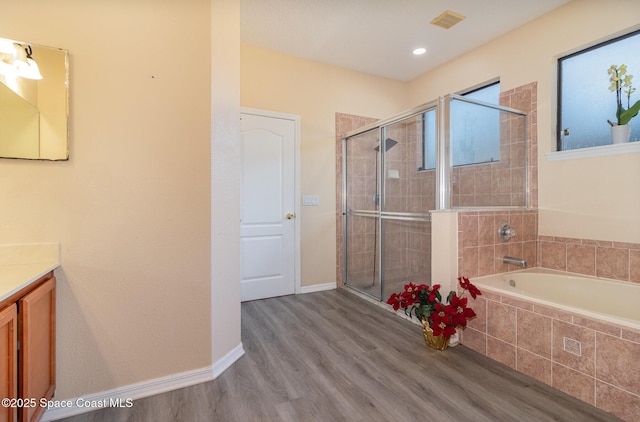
(333, 356)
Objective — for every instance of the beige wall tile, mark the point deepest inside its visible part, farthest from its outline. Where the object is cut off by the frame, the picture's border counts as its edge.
(612, 263)
(581, 259)
(634, 266)
(584, 359)
(553, 255)
(574, 383)
(617, 402)
(502, 352)
(617, 362)
(474, 339)
(533, 365)
(534, 333)
(501, 322)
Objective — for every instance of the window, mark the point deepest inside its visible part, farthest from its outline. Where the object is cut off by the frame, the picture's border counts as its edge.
(585, 102)
(475, 130)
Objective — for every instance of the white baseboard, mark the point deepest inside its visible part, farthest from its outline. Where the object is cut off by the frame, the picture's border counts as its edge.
(227, 360)
(122, 396)
(317, 288)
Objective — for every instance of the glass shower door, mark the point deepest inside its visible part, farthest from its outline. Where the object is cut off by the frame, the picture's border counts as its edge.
(409, 195)
(362, 224)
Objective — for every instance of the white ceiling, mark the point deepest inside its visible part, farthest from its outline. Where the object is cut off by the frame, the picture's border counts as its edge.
(378, 36)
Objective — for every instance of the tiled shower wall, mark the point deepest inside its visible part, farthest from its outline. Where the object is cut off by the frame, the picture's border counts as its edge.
(361, 231)
(420, 190)
(525, 98)
(502, 183)
(406, 243)
(344, 123)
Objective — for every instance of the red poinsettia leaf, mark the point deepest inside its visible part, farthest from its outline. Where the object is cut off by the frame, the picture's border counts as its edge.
(394, 301)
(449, 331)
(474, 291)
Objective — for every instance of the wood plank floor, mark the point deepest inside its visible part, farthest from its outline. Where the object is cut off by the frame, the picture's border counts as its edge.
(332, 356)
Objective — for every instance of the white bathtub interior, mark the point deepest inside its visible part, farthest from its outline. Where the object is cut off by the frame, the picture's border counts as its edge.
(609, 300)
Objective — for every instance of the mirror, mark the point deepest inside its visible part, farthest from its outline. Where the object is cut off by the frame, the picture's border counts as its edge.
(34, 99)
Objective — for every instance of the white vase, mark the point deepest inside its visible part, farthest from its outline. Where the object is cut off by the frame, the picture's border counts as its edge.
(620, 134)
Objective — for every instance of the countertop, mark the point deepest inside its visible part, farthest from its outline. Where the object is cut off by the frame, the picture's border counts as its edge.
(21, 265)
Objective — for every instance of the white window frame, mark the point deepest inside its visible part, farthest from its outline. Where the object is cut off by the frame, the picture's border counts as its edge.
(596, 151)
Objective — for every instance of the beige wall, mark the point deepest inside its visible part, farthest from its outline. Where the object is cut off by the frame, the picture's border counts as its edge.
(593, 198)
(225, 176)
(131, 208)
(315, 91)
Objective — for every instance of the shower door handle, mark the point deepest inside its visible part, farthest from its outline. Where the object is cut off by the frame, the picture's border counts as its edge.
(291, 216)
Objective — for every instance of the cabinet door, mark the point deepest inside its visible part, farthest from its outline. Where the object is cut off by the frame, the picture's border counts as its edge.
(8, 361)
(37, 350)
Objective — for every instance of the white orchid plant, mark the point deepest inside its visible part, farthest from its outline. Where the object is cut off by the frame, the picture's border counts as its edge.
(621, 85)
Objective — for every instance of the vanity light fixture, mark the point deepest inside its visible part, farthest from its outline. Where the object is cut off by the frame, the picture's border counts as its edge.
(27, 67)
(6, 47)
(20, 59)
(419, 51)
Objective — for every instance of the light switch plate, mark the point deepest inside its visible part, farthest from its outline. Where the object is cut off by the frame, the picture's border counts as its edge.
(310, 200)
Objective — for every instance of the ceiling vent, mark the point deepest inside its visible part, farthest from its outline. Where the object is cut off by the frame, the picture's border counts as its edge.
(447, 19)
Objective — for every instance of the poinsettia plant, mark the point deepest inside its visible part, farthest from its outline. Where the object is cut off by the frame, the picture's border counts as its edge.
(425, 302)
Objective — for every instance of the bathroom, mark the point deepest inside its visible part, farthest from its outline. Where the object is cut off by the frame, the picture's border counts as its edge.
(131, 249)
(495, 234)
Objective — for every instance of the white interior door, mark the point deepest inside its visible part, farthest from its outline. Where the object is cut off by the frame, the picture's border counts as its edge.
(267, 226)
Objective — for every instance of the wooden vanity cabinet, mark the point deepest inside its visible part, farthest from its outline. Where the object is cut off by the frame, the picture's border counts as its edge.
(27, 338)
(8, 360)
(37, 333)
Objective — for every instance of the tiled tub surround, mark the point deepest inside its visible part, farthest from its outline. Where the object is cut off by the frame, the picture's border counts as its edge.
(606, 259)
(480, 249)
(591, 359)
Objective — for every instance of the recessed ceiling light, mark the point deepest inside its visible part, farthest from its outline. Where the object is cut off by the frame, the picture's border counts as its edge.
(419, 51)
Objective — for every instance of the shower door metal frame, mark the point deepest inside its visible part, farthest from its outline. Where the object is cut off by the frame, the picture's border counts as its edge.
(443, 170)
(363, 213)
(443, 152)
(380, 214)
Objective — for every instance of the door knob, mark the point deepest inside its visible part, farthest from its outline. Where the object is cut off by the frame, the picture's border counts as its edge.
(291, 216)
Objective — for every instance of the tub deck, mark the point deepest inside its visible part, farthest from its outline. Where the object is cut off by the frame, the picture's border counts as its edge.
(589, 353)
(612, 301)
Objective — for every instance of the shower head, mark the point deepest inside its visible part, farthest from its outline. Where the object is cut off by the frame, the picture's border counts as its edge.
(388, 144)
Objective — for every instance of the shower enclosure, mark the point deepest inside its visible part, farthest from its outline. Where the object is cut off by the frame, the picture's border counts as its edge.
(451, 153)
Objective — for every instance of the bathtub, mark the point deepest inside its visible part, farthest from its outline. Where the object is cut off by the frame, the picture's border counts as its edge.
(578, 334)
(612, 301)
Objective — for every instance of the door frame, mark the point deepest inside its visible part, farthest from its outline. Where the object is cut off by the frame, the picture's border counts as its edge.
(296, 184)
